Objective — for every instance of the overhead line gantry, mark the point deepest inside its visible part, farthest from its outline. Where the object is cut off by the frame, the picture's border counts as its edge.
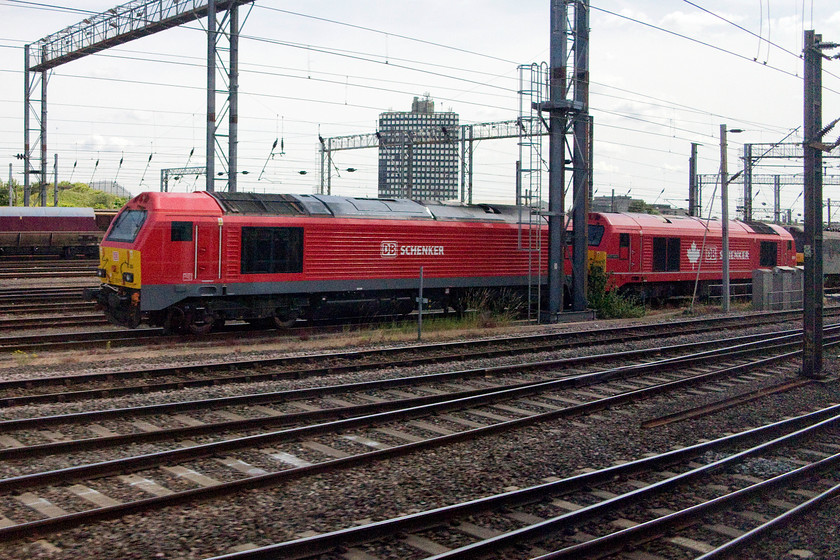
(120, 25)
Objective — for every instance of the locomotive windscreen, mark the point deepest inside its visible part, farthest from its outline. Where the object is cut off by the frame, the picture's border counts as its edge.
(126, 226)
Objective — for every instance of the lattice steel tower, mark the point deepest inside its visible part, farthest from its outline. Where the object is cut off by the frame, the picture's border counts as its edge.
(120, 25)
(570, 136)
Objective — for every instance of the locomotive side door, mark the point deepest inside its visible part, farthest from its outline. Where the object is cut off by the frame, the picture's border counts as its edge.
(630, 252)
(624, 251)
(208, 250)
(178, 246)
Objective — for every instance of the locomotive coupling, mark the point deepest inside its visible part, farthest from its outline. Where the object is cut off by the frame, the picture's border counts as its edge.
(93, 294)
(106, 296)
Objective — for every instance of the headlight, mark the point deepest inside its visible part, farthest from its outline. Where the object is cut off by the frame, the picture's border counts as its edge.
(128, 277)
(100, 272)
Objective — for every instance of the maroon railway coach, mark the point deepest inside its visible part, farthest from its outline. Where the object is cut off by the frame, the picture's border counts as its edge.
(54, 231)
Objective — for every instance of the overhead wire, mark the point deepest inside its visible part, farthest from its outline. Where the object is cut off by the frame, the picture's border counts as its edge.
(408, 68)
(744, 29)
(704, 43)
(387, 33)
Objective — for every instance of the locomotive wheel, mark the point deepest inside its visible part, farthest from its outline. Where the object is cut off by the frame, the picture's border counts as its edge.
(124, 318)
(285, 320)
(109, 314)
(201, 322)
(174, 321)
(133, 318)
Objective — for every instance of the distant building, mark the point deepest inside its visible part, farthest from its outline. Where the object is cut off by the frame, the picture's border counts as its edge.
(111, 187)
(668, 210)
(619, 203)
(624, 203)
(418, 153)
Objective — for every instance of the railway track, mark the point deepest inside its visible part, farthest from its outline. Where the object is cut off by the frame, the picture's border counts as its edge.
(24, 261)
(53, 321)
(42, 308)
(30, 295)
(326, 433)
(228, 371)
(721, 493)
(59, 269)
(318, 402)
(113, 337)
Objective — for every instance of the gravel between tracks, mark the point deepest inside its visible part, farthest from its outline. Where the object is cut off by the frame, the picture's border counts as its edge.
(418, 482)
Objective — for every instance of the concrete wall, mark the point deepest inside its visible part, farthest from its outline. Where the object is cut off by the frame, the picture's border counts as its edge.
(778, 289)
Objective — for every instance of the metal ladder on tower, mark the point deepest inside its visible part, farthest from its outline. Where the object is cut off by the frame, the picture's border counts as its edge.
(533, 90)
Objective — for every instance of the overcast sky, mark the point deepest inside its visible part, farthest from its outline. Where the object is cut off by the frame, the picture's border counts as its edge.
(664, 73)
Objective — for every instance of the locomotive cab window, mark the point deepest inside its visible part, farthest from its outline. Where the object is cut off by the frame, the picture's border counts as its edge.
(272, 250)
(182, 231)
(666, 254)
(624, 246)
(767, 256)
(126, 226)
(596, 233)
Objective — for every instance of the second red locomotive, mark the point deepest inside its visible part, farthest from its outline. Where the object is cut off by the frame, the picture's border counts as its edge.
(663, 256)
(192, 261)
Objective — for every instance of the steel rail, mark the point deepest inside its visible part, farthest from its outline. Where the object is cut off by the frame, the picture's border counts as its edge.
(271, 479)
(320, 544)
(656, 528)
(778, 522)
(35, 308)
(7, 268)
(48, 274)
(53, 321)
(705, 410)
(330, 369)
(309, 392)
(430, 354)
(608, 544)
(575, 381)
(36, 341)
(140, 336)
(43, 260)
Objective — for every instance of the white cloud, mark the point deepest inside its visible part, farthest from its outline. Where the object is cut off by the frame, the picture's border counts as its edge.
(696, 22)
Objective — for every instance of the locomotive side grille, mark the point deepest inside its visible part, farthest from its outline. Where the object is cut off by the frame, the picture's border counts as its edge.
(259, 204)
(233, 244)
(759, 227)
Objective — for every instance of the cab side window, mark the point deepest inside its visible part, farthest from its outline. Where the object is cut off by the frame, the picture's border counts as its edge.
(182, 231)
(624, 240)
(768, 253)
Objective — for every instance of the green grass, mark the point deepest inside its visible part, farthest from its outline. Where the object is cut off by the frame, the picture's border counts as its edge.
(610, 304)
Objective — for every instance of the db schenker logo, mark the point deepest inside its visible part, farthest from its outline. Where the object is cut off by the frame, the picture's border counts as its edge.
(388, 249)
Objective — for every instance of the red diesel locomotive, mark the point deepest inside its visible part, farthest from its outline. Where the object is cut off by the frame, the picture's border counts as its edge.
(192, 261)
(663, 256)
(189, 261)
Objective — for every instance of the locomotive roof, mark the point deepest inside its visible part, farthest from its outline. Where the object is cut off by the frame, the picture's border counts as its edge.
(349, 207)
(688, 223)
